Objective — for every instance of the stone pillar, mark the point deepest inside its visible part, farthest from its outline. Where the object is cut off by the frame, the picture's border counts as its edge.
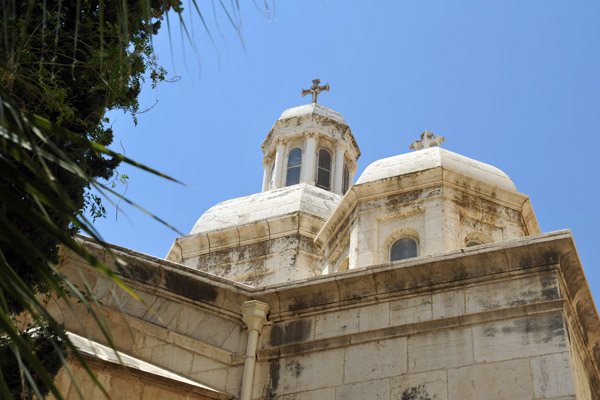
(352, 172)
(338, 169)
(267, 172)
(278, 170)
(310, 157)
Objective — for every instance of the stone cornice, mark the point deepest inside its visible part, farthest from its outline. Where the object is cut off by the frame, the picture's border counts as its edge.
(422, 179)
(313, 123)
(290, 300)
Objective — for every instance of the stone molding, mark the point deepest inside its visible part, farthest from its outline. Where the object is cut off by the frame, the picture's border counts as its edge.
(267, 160)
(555, 250)
(310, 134)
(418, 328)
(430, 178)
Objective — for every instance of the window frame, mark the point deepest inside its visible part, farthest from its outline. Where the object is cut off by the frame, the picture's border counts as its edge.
(345, 179)
(330, 154)
(414, 240)
(289, 167)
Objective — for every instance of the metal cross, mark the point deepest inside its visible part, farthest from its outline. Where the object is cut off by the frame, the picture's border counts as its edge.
(315, 90)
(428, 139)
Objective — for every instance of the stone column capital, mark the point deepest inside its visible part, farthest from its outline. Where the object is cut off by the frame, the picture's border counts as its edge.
(339, 146)
(279, 141)
(267, 160)
(311, 134)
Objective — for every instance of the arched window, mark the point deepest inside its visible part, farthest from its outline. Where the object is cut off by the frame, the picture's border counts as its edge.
(403, 248)
(345, 180)
(324, 172)
(294, 167)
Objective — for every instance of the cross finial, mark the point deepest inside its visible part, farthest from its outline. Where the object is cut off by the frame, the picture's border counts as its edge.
(428, 139)
(315, 90)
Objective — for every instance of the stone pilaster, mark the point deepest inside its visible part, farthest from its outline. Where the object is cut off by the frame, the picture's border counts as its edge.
(309, 162)
(338, 169)
(278, 170)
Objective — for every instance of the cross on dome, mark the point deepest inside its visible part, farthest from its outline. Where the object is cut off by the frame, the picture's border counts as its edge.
(428, 139)
(315, 89)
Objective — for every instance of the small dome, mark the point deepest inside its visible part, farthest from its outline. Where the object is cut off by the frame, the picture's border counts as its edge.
(313, 109)
(268, 205)
(436, 157)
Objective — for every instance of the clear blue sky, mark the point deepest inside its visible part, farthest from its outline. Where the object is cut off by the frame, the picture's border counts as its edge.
(511, 83)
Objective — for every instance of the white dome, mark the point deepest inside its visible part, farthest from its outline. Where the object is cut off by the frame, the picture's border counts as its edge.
(313, 109)
(436, 157)
(268, 205)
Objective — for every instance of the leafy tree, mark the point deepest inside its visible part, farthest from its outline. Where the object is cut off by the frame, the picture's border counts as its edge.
(67, 62)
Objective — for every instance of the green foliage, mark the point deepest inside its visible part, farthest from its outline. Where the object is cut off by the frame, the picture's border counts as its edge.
(70, 62)
(63, 64)
(45, 343)
(27, 153)
(67, 62)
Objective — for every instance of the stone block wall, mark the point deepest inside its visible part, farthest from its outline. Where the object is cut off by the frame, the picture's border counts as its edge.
(441, 211)
(121, 382)
(183, 325)
(495, 339)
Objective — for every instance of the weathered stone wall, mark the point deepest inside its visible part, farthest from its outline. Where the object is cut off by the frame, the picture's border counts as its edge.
(125, 383)
(273, 243)
(442, 217)
(255, 263)
(510, 320)
(493, 339)
(191, 327)
(284, 258)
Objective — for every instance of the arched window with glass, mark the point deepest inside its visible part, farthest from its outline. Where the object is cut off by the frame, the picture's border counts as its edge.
(345, 179)
(294, 166)
(404, 248)
(324, 170)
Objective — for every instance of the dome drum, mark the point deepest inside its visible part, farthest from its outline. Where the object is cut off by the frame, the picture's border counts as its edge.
(440, 197)
(310, 144)
(261, 239)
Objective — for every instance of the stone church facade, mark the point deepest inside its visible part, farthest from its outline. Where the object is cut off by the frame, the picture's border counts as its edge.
(426, 279)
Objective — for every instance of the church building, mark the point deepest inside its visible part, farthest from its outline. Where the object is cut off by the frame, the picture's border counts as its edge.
(427, 278)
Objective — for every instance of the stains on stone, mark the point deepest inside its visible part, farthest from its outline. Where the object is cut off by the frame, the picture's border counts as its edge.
(292, 332)
(355, 298)
(531, 330)
(254, 280)
(549, 287)
(544, 288)
(298, 304)
(467, 201)
(403, 198)
(214, 258)
(489, 207)
(417, 393)
(139, 271)
(254, 250)
(490, 331)
(542, 329)
(191, 288)
(328, 122)
(307, 244)
(294, 368)
(274, 375)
